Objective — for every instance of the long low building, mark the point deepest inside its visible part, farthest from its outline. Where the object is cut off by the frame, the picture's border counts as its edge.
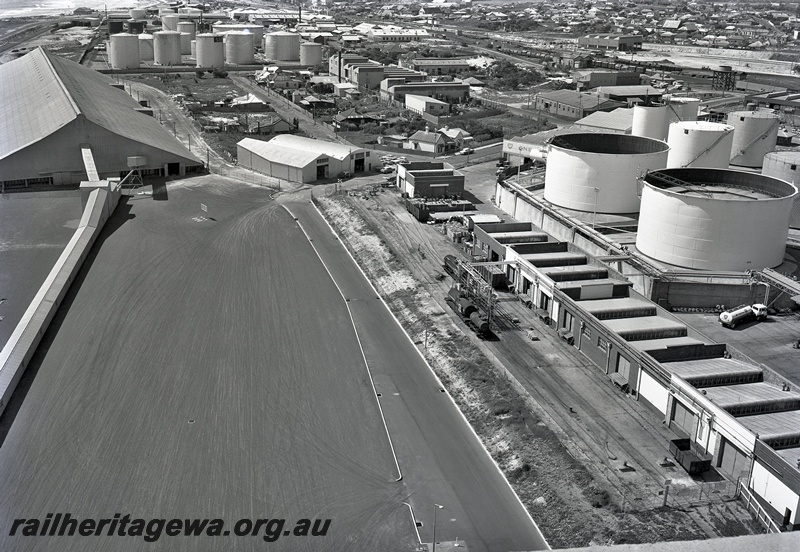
(299, 159)
(726, 412)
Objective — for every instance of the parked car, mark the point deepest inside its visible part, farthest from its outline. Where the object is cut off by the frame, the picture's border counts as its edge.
(465, 151)
(388, 168)
(401, 160)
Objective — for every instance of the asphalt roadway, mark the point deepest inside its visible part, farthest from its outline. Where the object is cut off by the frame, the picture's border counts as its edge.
(203, 366)
(442, 460)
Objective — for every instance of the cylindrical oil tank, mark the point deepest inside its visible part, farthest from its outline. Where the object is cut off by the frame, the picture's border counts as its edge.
(194, 13)
(167, 47)
(210, 50)
(186, 44)
(115, 26)
(682, 109)
(256, 30)
(714, 219)
(165, 10)
(146, 52)
(282, 46)
(600, 172)
(755, 134)
(239, 49)
(135, 26)
(786, 166)
(170, 22)
(124, 51)
(187, 27)
(699, 144)
(650, 121)
(138, 13)
(310, 54)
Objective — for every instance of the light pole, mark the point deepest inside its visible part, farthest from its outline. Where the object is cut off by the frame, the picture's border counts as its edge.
(435, 507)
(594, 213)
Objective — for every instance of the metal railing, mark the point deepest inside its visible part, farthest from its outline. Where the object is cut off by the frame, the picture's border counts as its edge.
(756, 509)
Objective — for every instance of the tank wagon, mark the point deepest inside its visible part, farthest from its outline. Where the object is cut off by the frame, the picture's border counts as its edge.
(468, 311)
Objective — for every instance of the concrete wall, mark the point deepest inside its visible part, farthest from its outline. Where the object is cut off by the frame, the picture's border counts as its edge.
(21, 346)
(775, 493)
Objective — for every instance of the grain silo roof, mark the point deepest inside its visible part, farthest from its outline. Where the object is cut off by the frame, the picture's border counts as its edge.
(42, 92)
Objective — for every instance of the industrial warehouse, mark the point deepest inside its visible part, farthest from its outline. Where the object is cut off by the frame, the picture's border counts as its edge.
(604, 291)
(304, 160)
(54, 110)
(454, 294)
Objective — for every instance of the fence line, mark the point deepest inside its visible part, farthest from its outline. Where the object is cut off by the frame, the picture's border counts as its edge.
(756, 509)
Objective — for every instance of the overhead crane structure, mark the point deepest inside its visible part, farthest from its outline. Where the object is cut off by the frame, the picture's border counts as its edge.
(474, 286)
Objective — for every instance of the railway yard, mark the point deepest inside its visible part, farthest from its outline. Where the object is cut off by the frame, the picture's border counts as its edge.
(242, 342)
(560, 445)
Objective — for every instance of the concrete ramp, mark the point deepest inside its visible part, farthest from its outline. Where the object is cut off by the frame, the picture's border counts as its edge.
(88, 163)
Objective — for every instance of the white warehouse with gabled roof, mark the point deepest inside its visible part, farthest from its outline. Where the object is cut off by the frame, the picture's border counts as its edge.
(299, 159)
(54, 109)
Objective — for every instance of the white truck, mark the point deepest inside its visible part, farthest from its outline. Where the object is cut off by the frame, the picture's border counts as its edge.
(743, 313)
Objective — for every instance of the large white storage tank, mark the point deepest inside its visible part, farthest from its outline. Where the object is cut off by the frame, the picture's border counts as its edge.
(786, 166)
(714, 219)
(650, 121)
(310, 54)
(210, 50)
(282, 46)
(146, 52)
(239, 48)
(699, 144)
(170, 22)
(186, 44)
(187, 27)
(167, 47)
(600, 172)
(256, 30)
(682, 109)
(138, 13)
(755, 134)
(124, 51)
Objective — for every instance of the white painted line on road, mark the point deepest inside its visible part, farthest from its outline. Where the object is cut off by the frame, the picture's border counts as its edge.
(358, 339)
(414, 520)
(466, 421)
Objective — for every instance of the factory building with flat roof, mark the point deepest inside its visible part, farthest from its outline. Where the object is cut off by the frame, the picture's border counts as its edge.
(726, 412)
(53, 110)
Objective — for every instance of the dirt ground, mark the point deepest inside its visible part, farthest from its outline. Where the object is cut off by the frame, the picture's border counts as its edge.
(572, 503)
